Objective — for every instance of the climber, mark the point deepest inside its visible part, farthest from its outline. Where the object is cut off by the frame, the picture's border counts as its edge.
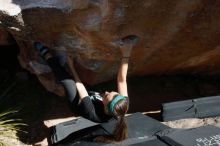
(94, 107)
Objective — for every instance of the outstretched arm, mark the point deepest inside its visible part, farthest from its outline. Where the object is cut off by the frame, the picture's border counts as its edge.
(122, 72)
(79, 85)
(122, 75)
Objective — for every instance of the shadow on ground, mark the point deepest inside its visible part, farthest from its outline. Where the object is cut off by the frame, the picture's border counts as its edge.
(146, 94)
(35, 105)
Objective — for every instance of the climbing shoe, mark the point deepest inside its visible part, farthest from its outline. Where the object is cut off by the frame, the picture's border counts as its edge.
(42, 50)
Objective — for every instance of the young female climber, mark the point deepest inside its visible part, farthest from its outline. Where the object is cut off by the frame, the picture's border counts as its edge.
(95, 108)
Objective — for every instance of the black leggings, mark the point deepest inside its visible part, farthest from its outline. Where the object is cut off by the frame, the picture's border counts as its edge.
(57, 66)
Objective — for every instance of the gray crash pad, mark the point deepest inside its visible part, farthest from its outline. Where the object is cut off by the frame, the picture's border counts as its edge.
(193, 108)
(202, 136)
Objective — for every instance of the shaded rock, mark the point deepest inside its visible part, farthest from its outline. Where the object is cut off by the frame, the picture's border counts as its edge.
(175, 36)
(5, 37)
(22, 76)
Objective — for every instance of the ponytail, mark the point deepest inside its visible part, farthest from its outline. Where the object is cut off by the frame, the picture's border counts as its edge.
(121, 130)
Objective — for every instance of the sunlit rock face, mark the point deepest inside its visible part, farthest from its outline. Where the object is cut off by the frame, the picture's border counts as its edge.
(175, 35)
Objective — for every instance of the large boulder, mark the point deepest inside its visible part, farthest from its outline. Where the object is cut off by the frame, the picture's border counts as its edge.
(175, 35)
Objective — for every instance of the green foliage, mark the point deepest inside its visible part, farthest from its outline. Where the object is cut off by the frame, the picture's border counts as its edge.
(9, 124)
(9, 127)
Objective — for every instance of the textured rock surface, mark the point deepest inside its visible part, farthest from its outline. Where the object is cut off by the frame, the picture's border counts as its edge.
(175, 35)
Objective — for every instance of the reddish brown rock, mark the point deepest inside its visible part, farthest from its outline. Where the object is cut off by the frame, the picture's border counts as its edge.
(175, 35)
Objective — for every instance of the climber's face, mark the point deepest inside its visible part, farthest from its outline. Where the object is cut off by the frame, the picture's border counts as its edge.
(107, 98)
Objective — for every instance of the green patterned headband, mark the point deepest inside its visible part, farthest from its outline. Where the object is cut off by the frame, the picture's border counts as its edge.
(113, 102)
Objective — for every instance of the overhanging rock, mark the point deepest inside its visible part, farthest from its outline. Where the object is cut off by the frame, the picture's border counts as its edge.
(175, 35)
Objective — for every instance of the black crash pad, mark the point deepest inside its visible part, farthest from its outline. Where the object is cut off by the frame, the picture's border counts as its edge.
(61, 131)
(202, 136)
(140, 128)
(193, 108)
(151, 141)
(139, 125)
